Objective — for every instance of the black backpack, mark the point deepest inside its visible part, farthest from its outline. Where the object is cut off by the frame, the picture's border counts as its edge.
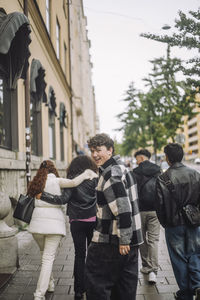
(147, 192)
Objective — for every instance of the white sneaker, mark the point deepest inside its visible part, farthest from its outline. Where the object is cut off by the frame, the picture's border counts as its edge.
(51, 286)
(38, 296)
(152, 277)
(144, 270)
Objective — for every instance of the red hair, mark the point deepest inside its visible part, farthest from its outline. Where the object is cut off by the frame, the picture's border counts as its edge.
(36, 186)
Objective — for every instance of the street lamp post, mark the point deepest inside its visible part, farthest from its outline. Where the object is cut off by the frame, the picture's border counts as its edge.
(167, 27)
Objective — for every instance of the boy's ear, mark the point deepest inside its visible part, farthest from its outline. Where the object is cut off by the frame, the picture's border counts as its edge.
(110, 151)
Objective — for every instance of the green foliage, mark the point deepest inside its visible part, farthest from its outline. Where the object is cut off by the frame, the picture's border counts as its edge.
(188, 36)
(153, 117)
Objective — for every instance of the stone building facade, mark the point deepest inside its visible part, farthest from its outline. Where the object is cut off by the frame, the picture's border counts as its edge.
(62, 99)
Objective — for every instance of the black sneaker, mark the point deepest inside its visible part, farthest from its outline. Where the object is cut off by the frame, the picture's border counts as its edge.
(78, 296)
(197, 294)
(177, 296)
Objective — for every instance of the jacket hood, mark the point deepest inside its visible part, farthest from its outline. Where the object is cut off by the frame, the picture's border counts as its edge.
(147, 168)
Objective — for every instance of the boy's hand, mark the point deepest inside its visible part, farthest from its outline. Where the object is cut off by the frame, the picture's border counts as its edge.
(124, 249)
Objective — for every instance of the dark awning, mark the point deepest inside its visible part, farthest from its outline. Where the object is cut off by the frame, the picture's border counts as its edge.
(52, 101)
(37, 82)
(14, 41)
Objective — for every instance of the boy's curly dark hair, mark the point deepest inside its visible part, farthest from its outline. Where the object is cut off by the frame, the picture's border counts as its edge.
(36, 186)
(144, 152)
(79, 164)
(101, 139)
(174, 152)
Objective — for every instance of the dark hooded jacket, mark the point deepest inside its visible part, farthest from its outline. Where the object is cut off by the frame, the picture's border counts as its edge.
(146, 174)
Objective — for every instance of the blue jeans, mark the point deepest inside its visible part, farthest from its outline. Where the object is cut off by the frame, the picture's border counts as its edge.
(110, 275)
(184, 250)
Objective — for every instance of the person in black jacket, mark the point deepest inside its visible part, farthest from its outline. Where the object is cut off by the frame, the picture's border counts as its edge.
(81, 210)
(183, 242)
(146, 174)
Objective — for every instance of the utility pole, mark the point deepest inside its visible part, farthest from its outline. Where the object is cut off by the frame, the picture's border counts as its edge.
(27, 114)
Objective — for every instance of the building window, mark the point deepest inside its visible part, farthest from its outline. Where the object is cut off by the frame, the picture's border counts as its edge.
(48, 15)
(57, 39)
(52, 114)
(36, 128)
(52, 149)
(65, 59)
(8, 124)
(62, 156)
(193, 125)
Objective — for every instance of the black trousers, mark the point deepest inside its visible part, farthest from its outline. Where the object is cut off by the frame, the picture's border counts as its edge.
(109, 275)
(82, 234)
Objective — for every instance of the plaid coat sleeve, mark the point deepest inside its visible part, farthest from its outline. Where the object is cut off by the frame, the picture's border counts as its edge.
(118, 191)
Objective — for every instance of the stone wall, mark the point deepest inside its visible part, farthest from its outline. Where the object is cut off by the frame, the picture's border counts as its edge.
(13, 172)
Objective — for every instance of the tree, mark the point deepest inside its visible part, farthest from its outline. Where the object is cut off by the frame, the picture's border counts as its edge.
(174, 97)
(141, 123)
(133, 120)
(153, 117)
(189, 37)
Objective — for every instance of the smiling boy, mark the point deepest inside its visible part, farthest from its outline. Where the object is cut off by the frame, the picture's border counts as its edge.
(112, 260)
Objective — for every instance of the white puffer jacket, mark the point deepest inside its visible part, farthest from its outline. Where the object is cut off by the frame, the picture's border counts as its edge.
(49, 218)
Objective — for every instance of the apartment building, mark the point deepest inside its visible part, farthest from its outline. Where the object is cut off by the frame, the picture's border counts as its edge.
(191, 131)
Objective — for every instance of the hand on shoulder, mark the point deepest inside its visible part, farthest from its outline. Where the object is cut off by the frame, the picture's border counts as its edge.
(90, 174)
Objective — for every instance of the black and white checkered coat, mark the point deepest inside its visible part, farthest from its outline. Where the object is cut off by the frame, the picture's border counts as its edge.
(118, 217)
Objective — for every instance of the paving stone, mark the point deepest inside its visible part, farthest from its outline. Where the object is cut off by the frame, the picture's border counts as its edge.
(171, 280)
(162, 289)
(23, 283)
(159, 297)
(143, 289)
(11, 297)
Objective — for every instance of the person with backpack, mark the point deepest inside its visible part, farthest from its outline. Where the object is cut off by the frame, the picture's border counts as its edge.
(146, 174)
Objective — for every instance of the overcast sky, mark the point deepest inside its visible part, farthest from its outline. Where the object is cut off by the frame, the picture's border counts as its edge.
(118, 53)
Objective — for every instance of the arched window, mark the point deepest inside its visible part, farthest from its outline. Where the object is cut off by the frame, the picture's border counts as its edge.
(8, 124)
(14, 54)
(38, 95)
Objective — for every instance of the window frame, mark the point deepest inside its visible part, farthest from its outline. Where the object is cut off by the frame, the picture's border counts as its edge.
(57, 38)
(10, 110)
(48, 15)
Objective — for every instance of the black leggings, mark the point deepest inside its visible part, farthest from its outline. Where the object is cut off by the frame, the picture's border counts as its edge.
(82, 235)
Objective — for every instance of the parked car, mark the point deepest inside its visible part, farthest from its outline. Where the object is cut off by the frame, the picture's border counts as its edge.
(197, 160)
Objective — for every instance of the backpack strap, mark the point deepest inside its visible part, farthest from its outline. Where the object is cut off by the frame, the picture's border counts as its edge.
(169, 184)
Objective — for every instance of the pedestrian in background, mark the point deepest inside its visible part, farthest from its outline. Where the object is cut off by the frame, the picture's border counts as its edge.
(146, 174)
(48, 221)
(183, 241)
(112, 259)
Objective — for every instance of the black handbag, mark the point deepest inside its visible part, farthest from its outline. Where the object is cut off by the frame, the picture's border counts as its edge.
(24, 208)
(190, 212)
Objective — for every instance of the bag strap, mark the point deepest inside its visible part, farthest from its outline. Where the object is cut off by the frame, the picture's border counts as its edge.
(169, 184)
(145, 181)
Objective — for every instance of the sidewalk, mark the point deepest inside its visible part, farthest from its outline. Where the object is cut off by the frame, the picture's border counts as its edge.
(23, 283)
